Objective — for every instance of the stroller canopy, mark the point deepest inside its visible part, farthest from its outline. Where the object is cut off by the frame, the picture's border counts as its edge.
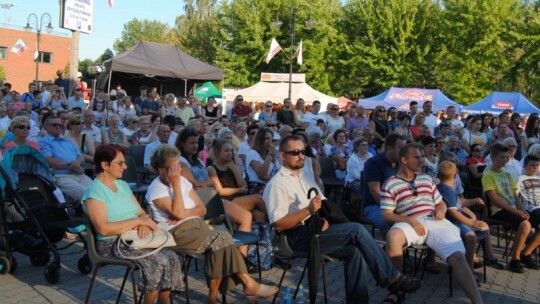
(23, 160)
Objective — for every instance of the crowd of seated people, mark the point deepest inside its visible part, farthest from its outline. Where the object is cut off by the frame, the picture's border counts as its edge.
(236, 151)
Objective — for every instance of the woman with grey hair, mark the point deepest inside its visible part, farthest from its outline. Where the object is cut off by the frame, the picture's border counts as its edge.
(113, 135)
(174, 203)
(314, 135)
(355, 164)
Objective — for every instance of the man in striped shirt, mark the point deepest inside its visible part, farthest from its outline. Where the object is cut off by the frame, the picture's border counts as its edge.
(411, 202)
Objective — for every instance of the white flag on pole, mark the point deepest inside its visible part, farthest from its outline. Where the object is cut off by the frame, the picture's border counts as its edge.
(299, 53)
(36, 53)
(274, 49)
(19, 47)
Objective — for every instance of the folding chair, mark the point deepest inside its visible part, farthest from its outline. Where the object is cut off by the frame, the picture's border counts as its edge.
(285, 252)
(98, 261)
(131, 177)
(328, 177)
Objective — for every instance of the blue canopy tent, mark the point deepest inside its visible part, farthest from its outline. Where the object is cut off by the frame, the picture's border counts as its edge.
(400, 98)
(496, 102)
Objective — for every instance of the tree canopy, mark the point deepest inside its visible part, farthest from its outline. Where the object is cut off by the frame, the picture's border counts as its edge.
(361, 47)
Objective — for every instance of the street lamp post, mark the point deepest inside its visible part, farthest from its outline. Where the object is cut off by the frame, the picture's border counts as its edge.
(276, 24)
(39, 26)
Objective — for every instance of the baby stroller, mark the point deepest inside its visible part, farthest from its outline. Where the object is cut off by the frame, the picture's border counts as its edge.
(32, 220)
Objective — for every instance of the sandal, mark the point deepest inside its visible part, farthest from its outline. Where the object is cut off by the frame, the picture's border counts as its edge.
(264, 291)
(393, 298)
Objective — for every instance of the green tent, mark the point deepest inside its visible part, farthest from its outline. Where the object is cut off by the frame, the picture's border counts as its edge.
(207, 90)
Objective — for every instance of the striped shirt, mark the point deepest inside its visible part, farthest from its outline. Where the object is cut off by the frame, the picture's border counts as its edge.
(416, 198)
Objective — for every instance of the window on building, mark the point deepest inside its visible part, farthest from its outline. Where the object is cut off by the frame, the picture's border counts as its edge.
(45, 57)
(3, 52)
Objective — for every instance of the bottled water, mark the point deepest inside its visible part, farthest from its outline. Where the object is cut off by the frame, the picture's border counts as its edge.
(287, 298)
(300, 295)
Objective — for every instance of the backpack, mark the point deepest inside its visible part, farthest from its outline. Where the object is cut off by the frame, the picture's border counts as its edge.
(265, 232)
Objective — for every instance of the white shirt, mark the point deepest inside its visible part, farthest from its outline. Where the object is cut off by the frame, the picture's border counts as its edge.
(172, 138)
(4, 123)
(94, 131)
(334, 124)
(286, 193)
(431, 122)
(355, 166)
(158, 190)
(254, 156)
(149, 150)
(312, 118)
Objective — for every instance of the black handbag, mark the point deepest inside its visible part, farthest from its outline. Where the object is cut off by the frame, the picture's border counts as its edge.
(333, 213)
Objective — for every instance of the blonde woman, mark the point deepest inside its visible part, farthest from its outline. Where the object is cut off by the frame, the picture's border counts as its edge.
(169, 108)
(84, 142)
(299, 109)
(417, 128)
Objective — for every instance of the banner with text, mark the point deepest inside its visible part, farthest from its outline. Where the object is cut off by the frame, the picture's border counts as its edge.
(77, 15)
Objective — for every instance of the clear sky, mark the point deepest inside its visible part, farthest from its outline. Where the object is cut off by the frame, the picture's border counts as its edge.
(108, 24)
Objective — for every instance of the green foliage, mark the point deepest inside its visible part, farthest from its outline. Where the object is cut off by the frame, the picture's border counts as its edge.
(84, 64)
(358, 48)
(2, 74)
(148, 30)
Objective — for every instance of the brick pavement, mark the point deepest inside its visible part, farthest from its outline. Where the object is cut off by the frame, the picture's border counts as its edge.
(27, 285)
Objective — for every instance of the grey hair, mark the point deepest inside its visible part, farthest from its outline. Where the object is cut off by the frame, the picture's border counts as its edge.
(509, 140)
(224, 131)
(534, 149)
(313, 131)
(113, 116)
(160, 157)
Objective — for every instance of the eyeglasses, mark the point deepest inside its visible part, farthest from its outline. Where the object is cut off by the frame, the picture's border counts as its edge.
(239, 100)
(134, 121)
(412, 186)
(252, 133)
(120, 162)
(296, 152)
(22, 127)
(335, 109)
(268, 106)
(76, 123)
(56, 125)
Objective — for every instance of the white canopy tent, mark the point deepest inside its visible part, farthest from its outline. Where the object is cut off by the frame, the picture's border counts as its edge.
(275, 88)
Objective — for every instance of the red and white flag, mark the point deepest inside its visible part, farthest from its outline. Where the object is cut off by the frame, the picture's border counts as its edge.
(19, 47)
(299, 53)
(274, 49)
(111, 3)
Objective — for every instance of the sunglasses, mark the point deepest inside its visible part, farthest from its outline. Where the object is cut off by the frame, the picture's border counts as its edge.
(335, 109)
(22, 127)
(269, 106)
(135, 121)
(382, 110)
(270, 125)
(239, 100)
(120, 162)
(76, 123)
(412, 186)
(56, 125)
(296, 152)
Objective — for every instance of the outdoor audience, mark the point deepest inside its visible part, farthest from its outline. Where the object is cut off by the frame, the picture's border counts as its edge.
(262, 171)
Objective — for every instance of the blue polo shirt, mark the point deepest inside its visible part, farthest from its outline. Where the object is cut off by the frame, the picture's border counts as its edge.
(376, 169)
(59, 148)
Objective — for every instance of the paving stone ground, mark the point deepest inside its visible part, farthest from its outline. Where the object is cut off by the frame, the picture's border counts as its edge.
(28, 285)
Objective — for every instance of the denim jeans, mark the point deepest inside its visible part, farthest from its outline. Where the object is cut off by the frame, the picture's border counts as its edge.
(374, 214)
(352, 243)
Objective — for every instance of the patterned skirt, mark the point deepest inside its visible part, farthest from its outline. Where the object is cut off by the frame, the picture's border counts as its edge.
(159, 271)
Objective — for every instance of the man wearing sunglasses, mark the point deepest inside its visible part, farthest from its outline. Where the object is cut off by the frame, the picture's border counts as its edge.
(240, 110)
(412, 203)
(65, 159)
(288, 209)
